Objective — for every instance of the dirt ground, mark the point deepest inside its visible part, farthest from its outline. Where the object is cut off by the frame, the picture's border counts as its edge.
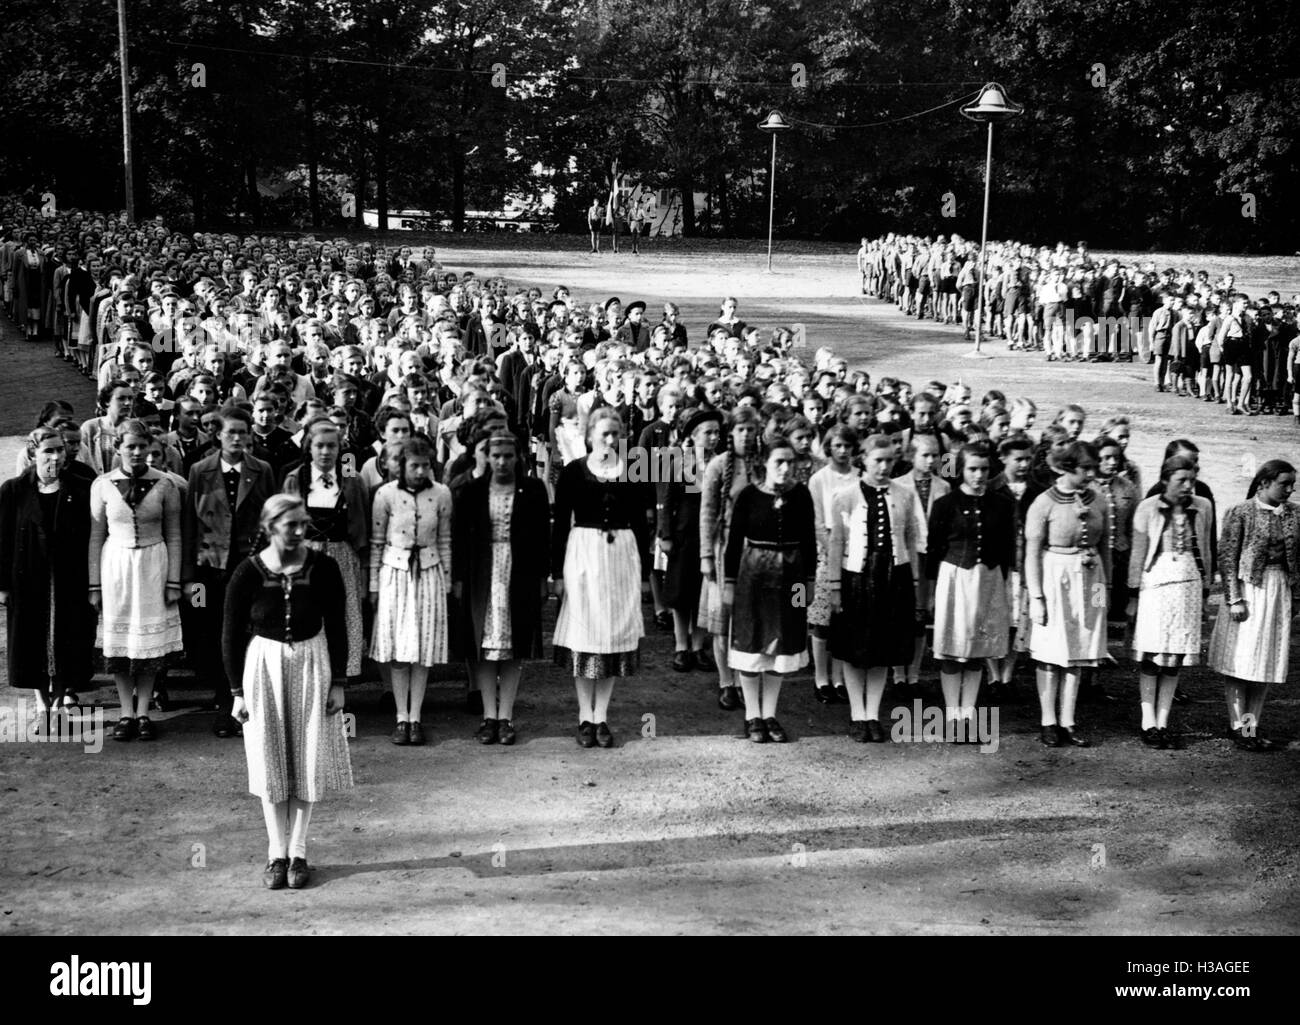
(684, 827)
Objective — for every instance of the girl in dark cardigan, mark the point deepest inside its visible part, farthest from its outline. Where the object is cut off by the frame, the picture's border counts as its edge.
(770, 564)
(499, 570)
(44, 578)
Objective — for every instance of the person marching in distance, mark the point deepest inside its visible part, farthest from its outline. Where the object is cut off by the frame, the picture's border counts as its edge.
(873, 564)
(1259, 560)
(1173, 566)
(1065, 575)
(410, 570)
(135, 574)
(971, 547)
(596, 566)
(840, 474)
(285, 651)
(499, 570)
(771, 554)
(727, 475)
(44, 581)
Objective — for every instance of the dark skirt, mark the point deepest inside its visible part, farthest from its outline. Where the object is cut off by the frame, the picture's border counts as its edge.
(877, 622)
(682, 579)
(769, 614)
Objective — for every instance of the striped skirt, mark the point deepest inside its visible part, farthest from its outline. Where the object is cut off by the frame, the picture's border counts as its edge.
(601, 613)
(1257, 650)
(411, 620)
(294, 748)
(354, 586)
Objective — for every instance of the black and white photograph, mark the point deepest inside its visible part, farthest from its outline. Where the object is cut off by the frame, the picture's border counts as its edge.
(442, 441)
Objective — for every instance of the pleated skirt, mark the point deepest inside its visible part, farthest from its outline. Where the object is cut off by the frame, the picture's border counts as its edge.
(411, 619)
(1075, 632)
(972, 613)
(1257, 650)
(137, 624)
(294, 749)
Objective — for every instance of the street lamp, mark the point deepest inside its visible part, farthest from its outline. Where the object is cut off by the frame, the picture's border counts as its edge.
(991, 107)
(774, 125)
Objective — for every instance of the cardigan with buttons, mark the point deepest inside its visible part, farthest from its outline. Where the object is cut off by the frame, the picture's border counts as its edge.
(968, 529)
(155, 520)
(410, 529)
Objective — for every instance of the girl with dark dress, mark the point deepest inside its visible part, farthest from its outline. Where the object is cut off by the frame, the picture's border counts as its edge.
(873, 565)
(499, 570)
(596, 566)
(770, 564)
(970, 549)
(678, 529)
(44, 532)
(285, 649)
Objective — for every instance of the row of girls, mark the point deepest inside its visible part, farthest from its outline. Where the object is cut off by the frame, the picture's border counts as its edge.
(775, 539)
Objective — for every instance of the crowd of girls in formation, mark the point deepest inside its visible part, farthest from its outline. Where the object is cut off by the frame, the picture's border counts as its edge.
(313, 460)
(1205, 338)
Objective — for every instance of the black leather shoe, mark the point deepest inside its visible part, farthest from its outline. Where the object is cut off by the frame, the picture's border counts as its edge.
(1070, 735)
(276, 874)
(505, 732)
(586, 734)
(1151, 738)
(664, 620)
(417, 734)
(858, 731)
(125, 729)
(704, 660)
(729, 699)
(825, 695)
(774, 731)
(1049, 737)
(604, 738)
(401, 734)
(1171, 741)
(841, 695)
(299, 873)
(144, 728)
(488, 732)
(223, 726)
(683, 662)
(876, 732)
(756, 731)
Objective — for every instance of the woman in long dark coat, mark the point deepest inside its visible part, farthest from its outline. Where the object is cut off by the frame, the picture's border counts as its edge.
(500, 551)
(44, 578)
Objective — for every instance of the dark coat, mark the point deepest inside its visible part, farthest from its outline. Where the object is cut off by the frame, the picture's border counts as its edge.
(471, 562)
(209, 528)
(29, 552)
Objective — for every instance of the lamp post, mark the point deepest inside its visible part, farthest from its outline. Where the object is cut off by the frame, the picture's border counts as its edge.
(774, 126)
(991, 107)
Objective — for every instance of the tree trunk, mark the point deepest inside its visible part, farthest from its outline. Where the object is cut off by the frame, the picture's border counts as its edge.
(724, 206)
(362, 182)
(457, 184)
(313, 157)
(686, 186)
(254, 198)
